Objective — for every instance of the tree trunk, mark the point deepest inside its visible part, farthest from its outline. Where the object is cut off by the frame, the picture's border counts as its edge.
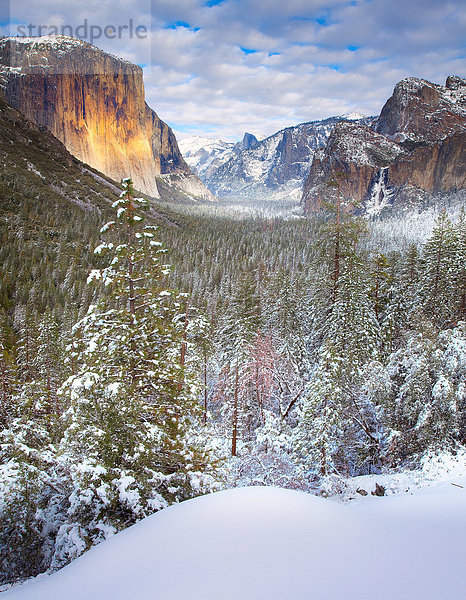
(234, 436)
(205, 388)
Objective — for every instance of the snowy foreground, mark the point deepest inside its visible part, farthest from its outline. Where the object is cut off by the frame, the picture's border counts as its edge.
(274, 544)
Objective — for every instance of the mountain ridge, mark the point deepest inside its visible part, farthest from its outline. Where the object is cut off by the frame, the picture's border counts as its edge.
(274, 167)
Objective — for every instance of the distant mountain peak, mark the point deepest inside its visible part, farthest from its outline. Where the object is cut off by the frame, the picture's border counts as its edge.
(249, 141)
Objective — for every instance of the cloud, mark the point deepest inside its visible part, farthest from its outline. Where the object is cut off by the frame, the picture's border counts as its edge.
(222, 67)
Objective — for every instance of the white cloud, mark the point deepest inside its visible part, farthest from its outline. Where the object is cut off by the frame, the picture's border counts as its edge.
(312, 59)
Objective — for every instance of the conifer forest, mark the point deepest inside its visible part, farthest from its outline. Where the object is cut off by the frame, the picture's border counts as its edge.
(153, 353)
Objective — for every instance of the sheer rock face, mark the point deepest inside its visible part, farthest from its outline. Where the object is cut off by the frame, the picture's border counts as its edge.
(422, 111)
(436, 167)
(415, 147)
(94, 103)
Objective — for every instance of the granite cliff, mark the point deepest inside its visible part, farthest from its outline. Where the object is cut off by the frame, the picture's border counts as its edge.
(414, 150)
(94, 104)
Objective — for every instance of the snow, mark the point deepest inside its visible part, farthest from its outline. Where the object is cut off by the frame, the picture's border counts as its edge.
(358, 143)
(271, 544)
(354, 116)
(203, 154)
(192, 145)
(380, 196)
(54, 40)
(31, 167)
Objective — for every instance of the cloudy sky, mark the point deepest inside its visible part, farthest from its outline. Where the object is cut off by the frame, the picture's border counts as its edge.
(221, 67)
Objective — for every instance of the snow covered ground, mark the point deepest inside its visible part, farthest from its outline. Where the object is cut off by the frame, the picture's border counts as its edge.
(273, 544)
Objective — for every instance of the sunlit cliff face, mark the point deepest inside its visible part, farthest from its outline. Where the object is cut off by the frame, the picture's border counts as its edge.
(93, 103)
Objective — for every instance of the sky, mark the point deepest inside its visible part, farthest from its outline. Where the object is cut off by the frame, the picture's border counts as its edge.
(218, 68)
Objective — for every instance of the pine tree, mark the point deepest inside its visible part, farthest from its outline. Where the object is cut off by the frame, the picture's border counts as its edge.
(34, 494)
(437, 285)
(131, 405)
(227, 395)
(241, 323)
(425, 405)
(352, 326)
(286, 315)
(8, 385)
(381, 279)
(200, 339)
(45, 372)
(318, 439)
(395, 320)
(334, 431)
(243, 317)
(460, 269)
(411, 268)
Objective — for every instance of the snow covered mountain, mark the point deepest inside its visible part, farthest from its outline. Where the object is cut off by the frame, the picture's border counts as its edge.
(204, 155)
(413, 152)
(269, 169)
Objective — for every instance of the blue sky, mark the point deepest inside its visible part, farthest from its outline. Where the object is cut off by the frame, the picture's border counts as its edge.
(222, 67)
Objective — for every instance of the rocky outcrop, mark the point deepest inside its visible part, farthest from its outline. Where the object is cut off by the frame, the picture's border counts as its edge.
(416, 148)
(94, 103)
(249, 141)
(422, 111)
(356, 153)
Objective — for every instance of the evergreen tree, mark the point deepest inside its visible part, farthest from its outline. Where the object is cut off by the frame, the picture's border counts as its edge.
(335, 427)
(201, 342)
(318, 439)
(352, 326)
(243, 317)
(241, 322)
(380, 281)
(460, 269)
(131, 406)
(287, 311)
(8, 388)
(24, 456)
(425, 408)
(34, 496)
(44, 372)
(437, 285)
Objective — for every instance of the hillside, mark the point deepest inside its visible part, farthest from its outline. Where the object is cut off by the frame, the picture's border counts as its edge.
(51, 209)
(273, 544)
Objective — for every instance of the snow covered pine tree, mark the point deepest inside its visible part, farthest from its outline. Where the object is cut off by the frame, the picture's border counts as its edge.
(132, 407)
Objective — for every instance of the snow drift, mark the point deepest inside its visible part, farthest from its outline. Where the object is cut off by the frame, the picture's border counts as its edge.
(274, 544)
